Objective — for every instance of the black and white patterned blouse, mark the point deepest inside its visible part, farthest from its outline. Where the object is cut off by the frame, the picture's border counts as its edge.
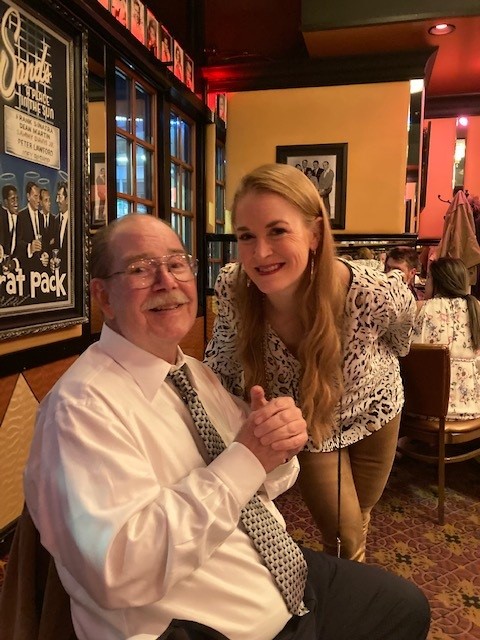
(379, 316)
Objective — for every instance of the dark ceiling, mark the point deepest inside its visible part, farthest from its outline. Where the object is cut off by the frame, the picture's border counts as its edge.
(270, 30)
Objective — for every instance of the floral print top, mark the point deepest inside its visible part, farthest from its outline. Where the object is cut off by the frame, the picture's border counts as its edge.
(445, 321)
(379, 316)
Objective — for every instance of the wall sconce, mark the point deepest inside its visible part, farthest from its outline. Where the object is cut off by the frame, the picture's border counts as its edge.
(441, 29)
(462, 121)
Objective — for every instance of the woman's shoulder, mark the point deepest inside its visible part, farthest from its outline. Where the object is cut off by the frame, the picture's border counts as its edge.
(227, 278)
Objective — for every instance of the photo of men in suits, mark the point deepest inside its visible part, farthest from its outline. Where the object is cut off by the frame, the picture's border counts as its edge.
(9, 240)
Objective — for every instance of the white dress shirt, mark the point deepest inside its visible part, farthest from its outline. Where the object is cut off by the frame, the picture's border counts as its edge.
(142, 531)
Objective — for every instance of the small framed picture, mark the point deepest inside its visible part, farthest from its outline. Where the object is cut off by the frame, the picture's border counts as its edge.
(152, 34)
(137, 20)
(222, 106)
(188, 72)
(166, 45)
(178, 61)
(120, 11)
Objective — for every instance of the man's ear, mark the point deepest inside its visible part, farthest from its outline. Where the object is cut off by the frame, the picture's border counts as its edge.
(100, 294)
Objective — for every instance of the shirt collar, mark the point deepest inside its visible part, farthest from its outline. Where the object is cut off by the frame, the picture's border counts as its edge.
(148, 371)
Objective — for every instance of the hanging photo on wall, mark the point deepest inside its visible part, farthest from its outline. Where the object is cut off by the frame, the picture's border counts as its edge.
(137, 20)
(188, 72)
(178, 61)
(152, 34)
(326, 166)
(120, 11)
(43, 190)
(166, 45)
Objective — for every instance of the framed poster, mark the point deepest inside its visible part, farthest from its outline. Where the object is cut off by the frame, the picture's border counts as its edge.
(326, 166)
(188, 72)
(43, 220)
(152, 34)
(166, 45)
(178, 60)
(137, 20)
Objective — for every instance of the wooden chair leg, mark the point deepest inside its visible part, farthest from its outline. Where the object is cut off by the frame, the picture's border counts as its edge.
(441, 476)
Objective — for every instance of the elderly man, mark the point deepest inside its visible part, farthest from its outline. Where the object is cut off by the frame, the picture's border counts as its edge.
(152, 487)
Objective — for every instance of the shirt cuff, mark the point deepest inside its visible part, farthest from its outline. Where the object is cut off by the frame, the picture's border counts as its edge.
(240, 470)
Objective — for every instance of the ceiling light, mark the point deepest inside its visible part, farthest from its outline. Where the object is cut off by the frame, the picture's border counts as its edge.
(462, 121)
(441, 29)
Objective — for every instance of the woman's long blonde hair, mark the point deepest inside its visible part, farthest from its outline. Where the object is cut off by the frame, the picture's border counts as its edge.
(320, 304)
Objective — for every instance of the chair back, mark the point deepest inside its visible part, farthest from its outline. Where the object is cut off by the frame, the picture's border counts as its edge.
(425, 373)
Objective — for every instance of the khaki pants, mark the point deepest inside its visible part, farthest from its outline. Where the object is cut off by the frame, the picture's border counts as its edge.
(365, 467)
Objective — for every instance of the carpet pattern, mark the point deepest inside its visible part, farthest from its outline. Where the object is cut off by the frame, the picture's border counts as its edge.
(444, 561)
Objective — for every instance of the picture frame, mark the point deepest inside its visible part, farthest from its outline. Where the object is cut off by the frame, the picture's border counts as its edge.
(178, 61)
(98, 190)
(166, 45)
(152, 34)
(120, 10)
(43, 162)
(327, 164)
(137, 20)
(188, 72)
(221, 106)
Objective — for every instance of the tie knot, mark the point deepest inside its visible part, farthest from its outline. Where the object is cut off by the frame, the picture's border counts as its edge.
(180, 379)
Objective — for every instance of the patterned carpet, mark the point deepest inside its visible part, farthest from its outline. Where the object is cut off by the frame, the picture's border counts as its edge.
(405, 538)
(444, 561)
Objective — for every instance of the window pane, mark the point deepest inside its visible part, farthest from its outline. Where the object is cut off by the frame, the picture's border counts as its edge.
(124, 165)
(186, 141)
(143, 126)
(144, 173)
(174, 134)
(219, 203)
(186, 190)
(173, 186)
(122, 208)
(187, 236)
(141, 208)
(176, 223)
(122, 92)
(220, 164)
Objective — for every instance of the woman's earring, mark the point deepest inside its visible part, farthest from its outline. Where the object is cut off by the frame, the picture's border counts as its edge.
(249, 282)
(312, 264)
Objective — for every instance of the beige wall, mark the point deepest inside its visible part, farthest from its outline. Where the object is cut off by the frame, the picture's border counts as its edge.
(371, 118)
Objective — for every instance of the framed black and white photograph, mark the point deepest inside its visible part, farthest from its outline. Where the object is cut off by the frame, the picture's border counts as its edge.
(98, 190)
(326, 166)
(43, 162)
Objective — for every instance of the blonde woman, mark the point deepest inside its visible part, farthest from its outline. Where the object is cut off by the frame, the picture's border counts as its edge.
(298, 321)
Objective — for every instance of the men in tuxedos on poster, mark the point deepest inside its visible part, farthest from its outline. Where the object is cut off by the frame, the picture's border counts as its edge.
(29, 232)
(8, 221)
(62, 236)
(325, 184)
(48, 222)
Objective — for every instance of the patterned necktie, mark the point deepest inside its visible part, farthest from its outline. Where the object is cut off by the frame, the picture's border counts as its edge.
(280, 553)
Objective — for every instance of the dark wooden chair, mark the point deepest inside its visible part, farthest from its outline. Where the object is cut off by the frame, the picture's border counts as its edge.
(426, 378)
(33, 603)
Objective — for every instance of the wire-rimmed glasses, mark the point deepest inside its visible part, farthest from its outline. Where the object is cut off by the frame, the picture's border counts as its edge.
(143, 272)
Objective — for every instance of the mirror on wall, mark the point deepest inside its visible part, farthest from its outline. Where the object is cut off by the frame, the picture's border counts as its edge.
(414, 156)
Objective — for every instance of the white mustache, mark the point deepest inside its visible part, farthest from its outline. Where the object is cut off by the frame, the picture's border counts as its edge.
(165, 300)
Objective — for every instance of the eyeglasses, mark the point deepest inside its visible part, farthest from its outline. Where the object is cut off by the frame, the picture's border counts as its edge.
(142, 273)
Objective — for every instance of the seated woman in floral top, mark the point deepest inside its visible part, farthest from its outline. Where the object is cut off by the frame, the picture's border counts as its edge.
(450, 315)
